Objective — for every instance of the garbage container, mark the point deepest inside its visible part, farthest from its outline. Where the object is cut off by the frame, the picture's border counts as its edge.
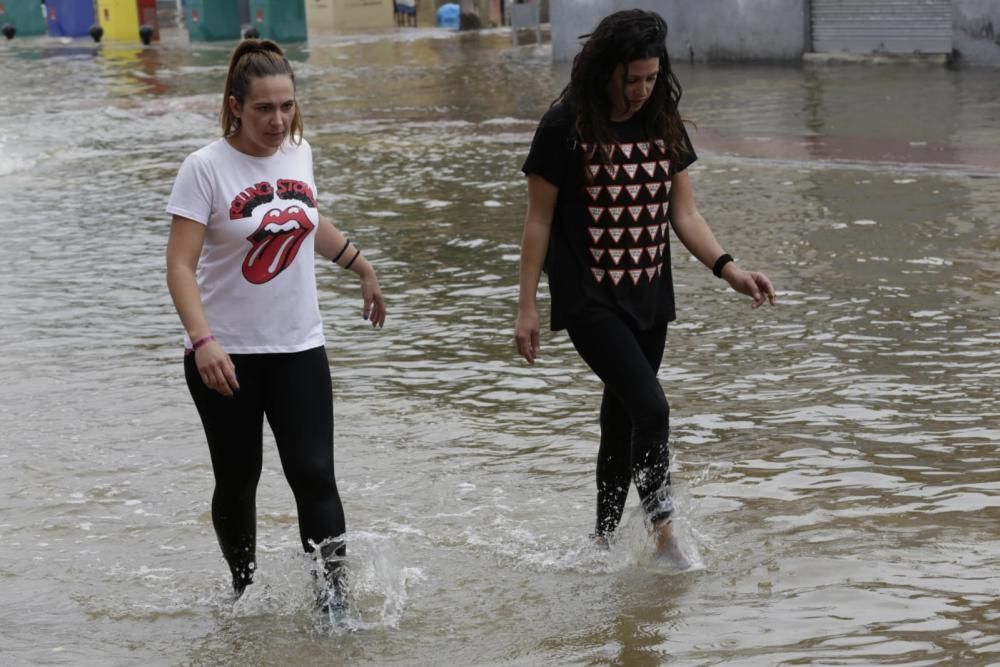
(120, 20)
(449, 16)
(281, 20)
(212, 20)
(69, 18)
(147, 16)
(25, 15)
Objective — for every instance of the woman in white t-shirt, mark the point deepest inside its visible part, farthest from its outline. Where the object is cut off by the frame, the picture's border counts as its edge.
(241, 274)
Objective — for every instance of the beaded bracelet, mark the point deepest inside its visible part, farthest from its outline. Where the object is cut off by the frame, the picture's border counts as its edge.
(202, 341)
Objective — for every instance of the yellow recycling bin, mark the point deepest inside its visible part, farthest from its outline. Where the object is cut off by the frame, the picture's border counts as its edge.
(120, 20)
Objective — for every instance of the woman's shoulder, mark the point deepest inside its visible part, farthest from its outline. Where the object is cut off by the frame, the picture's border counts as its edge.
(558, 114)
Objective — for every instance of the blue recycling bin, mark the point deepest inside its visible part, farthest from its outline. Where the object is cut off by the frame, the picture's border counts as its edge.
(449, 16)
(69, 18)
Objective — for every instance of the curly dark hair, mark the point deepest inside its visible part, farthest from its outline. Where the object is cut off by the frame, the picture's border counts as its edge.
(619, 39)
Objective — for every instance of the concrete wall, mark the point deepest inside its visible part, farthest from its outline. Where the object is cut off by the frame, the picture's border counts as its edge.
(977, 32)
(713, 30)
(349, 14)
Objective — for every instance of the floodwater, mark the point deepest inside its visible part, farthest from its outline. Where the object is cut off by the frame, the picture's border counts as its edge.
(836, 457)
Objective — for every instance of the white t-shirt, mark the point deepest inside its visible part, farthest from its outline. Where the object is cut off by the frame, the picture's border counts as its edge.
(256, 273)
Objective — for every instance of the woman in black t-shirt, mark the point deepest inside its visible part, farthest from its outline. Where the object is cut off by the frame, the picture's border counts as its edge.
(606, 177)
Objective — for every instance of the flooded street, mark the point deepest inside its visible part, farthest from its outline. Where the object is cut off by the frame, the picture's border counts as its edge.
(836, 458)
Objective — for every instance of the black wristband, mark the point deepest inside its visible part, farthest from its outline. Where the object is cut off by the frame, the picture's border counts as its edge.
(721, 262)
(348, 265)
(342, 250)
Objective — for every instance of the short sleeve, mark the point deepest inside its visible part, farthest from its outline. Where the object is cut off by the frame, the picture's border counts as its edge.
(191, 196)
(550, 151)
(688, 156)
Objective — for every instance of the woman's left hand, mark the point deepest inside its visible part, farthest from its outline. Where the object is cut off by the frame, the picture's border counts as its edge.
(374, 304)
(752, 283)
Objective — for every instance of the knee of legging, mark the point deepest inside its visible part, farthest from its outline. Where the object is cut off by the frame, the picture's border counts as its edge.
(308, 482)
(653, 423)
(235, 491)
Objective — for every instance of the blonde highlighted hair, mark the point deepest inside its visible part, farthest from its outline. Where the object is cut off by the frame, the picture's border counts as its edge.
(253, 59)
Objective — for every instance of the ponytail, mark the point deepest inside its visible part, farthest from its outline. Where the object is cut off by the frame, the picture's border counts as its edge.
(252, 59)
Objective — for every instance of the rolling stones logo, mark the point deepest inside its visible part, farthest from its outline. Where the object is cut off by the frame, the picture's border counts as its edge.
(275, 243)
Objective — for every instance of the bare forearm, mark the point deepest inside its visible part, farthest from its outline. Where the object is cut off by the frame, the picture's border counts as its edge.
(335, 246)
(698, 238)
(534, 244)
(183, 288)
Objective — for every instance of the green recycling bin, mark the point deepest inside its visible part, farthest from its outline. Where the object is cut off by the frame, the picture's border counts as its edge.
(283, 21)
(212, 20)
(24, 15)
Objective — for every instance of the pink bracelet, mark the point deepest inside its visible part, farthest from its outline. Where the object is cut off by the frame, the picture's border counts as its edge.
(201, 341)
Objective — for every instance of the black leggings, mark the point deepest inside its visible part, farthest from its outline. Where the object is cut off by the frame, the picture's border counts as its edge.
(635, 415)
(294, 392)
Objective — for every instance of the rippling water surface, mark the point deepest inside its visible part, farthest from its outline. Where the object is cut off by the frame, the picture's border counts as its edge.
(836, 457)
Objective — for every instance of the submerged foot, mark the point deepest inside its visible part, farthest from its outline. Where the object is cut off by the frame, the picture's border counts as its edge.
(668, 551)
(331, 598)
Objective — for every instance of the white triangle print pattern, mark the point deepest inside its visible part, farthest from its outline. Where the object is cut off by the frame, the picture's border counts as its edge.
(616, 233)
(635, 275)
(614, 191)
(616, 276)
(596, 212)
(653, 209)
(594, 192)
(651, 230)
(643, 148)
(636, 232)
(665, 165)
(661, 247)
(635, 212)
(653, 188)
(651, 251)
(616, 212)
(612, 170)
(598, 274)
(659, 269)
(662, 146)
(649, 168)
(594, 169)
(663, 228)
(595, 233)
(616, 255)
(630, 169)
(597, 253)
(633, 191)
(650, 272)
(626, 150)
(636, 254)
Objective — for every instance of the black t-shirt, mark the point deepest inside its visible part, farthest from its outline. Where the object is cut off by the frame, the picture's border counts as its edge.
(609, 241)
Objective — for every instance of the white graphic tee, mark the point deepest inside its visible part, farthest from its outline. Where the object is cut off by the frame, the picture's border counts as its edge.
(256, 273)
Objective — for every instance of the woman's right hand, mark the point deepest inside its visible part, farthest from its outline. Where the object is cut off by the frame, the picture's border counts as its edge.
(526, 334)
(216, 368)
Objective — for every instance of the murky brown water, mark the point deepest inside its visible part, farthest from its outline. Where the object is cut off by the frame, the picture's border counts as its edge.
(836, 457)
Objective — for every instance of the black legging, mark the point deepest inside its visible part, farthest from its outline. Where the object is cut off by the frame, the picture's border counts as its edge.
(635, 415)
(294, 392)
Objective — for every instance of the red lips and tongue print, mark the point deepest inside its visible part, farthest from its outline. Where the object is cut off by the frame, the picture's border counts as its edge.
(275, 243)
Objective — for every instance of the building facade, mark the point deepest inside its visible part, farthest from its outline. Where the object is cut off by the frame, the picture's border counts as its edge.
(964, 31)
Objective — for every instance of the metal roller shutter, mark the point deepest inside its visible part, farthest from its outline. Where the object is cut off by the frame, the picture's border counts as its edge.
(881, 26)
